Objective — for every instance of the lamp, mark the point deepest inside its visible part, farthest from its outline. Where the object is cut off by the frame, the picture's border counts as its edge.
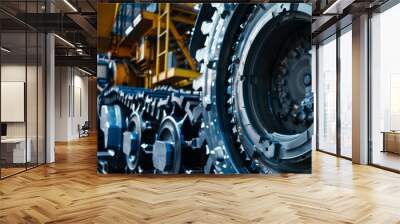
(70, 5)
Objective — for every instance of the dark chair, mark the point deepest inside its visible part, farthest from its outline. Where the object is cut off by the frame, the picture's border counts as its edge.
(84, 129)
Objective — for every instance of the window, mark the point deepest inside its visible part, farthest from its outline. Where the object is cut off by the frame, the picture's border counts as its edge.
(327, 96)
(346, 93)
(385, 89)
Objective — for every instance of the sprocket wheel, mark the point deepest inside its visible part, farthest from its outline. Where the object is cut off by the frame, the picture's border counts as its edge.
(242, 109)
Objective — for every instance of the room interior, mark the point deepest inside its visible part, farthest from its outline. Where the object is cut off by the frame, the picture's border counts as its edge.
(22, 101)
(385, 87)
(356, 143)
(334, 67)
(37, 107)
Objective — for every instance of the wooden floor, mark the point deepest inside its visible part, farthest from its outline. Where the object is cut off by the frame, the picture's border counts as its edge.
(70, 191)
(386, 159)
(8, 171)
(5, 172)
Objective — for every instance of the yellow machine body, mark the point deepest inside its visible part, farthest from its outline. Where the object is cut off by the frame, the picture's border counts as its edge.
(155, 45)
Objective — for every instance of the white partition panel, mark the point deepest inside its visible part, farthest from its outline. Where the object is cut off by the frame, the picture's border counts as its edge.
(12, 101)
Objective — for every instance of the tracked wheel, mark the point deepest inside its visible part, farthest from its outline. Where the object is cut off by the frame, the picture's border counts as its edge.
(167, 150)
(151, 131)
(131, 141)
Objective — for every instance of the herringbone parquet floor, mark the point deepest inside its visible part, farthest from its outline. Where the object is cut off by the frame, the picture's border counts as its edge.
(70, 191)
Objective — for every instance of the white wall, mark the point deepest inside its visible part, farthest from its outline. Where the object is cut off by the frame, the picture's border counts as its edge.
(71, 94)
(61, 103)
(13, 72)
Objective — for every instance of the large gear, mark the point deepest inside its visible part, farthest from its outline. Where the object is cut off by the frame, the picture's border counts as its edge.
(221, 33)
(244, 144)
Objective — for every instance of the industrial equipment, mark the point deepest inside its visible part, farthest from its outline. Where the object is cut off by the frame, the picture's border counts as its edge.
(250, 108)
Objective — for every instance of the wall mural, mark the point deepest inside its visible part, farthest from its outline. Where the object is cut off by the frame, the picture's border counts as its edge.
(204, 88)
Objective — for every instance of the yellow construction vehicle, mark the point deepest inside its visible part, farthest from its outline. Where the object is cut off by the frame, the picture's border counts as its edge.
(152, 39)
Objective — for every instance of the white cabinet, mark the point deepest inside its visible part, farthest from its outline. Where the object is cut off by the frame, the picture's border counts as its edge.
(19, 154)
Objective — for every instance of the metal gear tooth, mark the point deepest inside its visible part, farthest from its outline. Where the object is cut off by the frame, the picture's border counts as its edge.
(198, 83)
(201, 54)
(238, 140)
(206, 27)
(230, 100)
(235, 45)
(203, 69)
(231, 68)
(223, 9)
(234, 130)
(235, 59)
(215, 5)
(242, 149)
(229, 91)
(230, 109)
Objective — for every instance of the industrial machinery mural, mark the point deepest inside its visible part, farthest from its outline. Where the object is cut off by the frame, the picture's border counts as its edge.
(206, 88)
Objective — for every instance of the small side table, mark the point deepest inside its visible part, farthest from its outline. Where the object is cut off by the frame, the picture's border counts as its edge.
(391, 141)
